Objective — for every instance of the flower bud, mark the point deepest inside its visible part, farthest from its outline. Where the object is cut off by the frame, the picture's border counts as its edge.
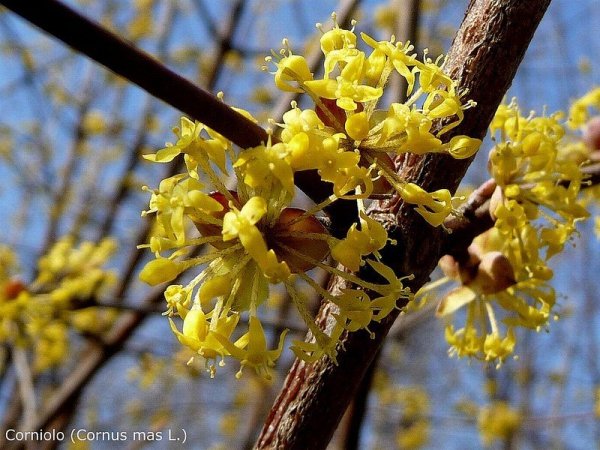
(160, 271)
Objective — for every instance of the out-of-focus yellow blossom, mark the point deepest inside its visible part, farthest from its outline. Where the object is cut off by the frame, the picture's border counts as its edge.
(414, 427)
(94, 122)
(498, 421)
(229, 423)
(234, 60)
(579, 113)
(597, 402)
(597, 225)
(413, 424)
(38, 315)
(386, 16)
(148, 371)
(142, 23)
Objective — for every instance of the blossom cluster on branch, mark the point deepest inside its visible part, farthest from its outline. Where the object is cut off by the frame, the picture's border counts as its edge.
(257, 239)
(504, 276)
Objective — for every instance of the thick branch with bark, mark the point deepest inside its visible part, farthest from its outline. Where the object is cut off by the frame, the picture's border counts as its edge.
(484, 58)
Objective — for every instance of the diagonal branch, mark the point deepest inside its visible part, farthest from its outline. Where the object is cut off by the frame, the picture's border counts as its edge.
(138, 67)
(484, 57)
(155, 78)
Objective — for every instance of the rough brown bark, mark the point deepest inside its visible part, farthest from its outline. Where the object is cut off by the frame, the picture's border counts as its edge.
(484, 57)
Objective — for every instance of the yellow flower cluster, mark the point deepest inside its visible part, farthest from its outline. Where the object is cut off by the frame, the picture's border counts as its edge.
(256, 240)
(248, 240)
(348, 140)
(38, 315)
(535, 206)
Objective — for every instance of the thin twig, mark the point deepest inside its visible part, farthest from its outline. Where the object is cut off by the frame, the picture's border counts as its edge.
(26, 388)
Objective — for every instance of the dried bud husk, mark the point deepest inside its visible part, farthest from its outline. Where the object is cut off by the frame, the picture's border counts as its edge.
(278, 236)
(495, 273)
(591, 133)
(449, 266)
(496, 200)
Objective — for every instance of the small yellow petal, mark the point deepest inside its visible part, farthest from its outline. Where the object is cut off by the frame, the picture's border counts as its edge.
(160, 271)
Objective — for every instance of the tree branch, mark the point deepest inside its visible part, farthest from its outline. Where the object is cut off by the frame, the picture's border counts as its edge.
(143, 70)
(125, 60)
(484, 57)
(475, 218)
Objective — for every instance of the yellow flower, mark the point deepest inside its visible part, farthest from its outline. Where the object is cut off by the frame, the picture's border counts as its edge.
(175, 198)
(497, 348)
(510, 217)
(579, 112)
(251, 349)
(291, 68)
(369, 239)
(177, 298)
(356, 311)
(434, 206)
(200, 334)
(337, 39)
(261, 165)
(188, 133)
(191, 143)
